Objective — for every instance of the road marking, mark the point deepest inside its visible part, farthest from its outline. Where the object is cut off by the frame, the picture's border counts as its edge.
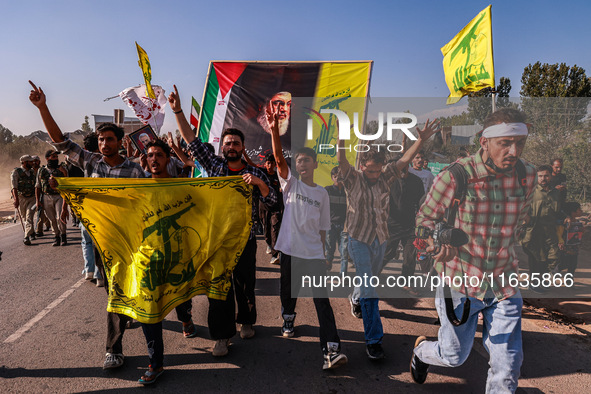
(44, 312)
(8, 226)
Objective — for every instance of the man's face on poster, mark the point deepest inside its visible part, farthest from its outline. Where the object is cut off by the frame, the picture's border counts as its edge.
(279, 107)
(144, 139)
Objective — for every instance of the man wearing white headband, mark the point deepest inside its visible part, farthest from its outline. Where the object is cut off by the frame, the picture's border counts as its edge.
(496, 197)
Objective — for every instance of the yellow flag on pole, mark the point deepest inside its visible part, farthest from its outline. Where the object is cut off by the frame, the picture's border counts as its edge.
(163, 241)
(468, 58)
(144, 64)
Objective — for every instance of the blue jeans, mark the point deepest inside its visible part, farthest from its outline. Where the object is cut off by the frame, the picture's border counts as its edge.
(88, 253)
(501, 335)
(368, 260)
(337, 237)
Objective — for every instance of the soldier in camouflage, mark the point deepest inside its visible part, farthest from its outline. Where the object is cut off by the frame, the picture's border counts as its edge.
(23, 193)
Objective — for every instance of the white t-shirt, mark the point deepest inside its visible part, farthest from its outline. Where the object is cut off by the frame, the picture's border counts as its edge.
(306, 213)
(426, 176)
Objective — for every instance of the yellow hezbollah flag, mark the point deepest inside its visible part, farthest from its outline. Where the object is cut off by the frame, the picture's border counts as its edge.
(144, 64)
(468, 58)
(163, 241)
(341, 86)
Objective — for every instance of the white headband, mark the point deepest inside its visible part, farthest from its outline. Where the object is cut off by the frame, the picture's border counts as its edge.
(505, 130)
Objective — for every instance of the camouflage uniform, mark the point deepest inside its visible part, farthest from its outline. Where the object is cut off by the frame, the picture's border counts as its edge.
(539, 238)
(23, 181)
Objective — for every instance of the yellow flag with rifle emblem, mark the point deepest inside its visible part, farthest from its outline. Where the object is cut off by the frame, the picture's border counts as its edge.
(163, 241)
(144, 64)
(468, 58)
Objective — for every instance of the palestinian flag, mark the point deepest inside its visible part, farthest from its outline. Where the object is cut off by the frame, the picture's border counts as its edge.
(246, 95)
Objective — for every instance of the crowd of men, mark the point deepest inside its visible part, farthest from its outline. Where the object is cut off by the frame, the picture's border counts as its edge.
(368, 213)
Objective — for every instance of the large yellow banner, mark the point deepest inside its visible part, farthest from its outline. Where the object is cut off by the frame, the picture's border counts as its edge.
(468, 58)
(163, 241)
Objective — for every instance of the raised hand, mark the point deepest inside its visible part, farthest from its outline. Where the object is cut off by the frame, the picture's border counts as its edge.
(174, 100)
(430, 128)
(37, 96)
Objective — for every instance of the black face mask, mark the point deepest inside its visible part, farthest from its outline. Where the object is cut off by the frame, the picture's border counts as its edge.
(489, 162)
(52, 163)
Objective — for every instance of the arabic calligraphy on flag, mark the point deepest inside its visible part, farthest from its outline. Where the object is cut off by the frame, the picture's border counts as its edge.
(163, 241)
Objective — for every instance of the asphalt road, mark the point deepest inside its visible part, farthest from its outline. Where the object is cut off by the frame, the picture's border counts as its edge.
(53, 330)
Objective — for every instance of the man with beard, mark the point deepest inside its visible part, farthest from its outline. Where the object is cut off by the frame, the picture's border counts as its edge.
(540, 240)
(23, 193)
(498, 191)
(52, 200)
(278, 107)
(105, 164)
(221, 318)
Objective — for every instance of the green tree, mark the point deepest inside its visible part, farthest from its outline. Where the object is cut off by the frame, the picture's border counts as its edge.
(555, 98)
(480, 103)
(86, 126)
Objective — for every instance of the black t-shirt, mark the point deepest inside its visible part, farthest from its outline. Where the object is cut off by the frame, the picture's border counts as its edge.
(338, 204)
(405, 197)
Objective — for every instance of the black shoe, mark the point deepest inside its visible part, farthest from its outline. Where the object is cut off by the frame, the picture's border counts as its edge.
(334, 360)
(27, 241)
(355, 308)
(57, 241)
(64, 240)
(375, 351)
(32, 236)
(39, 233)
(418, 369)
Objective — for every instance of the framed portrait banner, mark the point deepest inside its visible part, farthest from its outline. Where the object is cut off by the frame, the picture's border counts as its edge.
(141, 137)
(246, 95)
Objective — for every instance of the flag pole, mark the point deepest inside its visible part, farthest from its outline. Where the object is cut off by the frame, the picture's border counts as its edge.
(494, 104)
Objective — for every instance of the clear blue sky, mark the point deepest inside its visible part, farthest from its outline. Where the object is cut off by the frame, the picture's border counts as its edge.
(82, 52)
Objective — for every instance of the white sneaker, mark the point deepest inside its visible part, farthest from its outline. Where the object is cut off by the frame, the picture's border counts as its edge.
(275, 261)
(89, 276)
(269, 251)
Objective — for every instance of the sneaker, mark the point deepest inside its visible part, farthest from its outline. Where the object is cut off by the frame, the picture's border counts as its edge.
(355, 308)
(287, 330)
(89, 276)
(418, 369)
(27, 241)
(275, 260)
(113, 360)
(334, 359)
(57, 241)
(221, 347)
(100, 283)
(269, 251)
(32, 236)
(246, 331)
(375, 351)
(64, 240)
(39, 233)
